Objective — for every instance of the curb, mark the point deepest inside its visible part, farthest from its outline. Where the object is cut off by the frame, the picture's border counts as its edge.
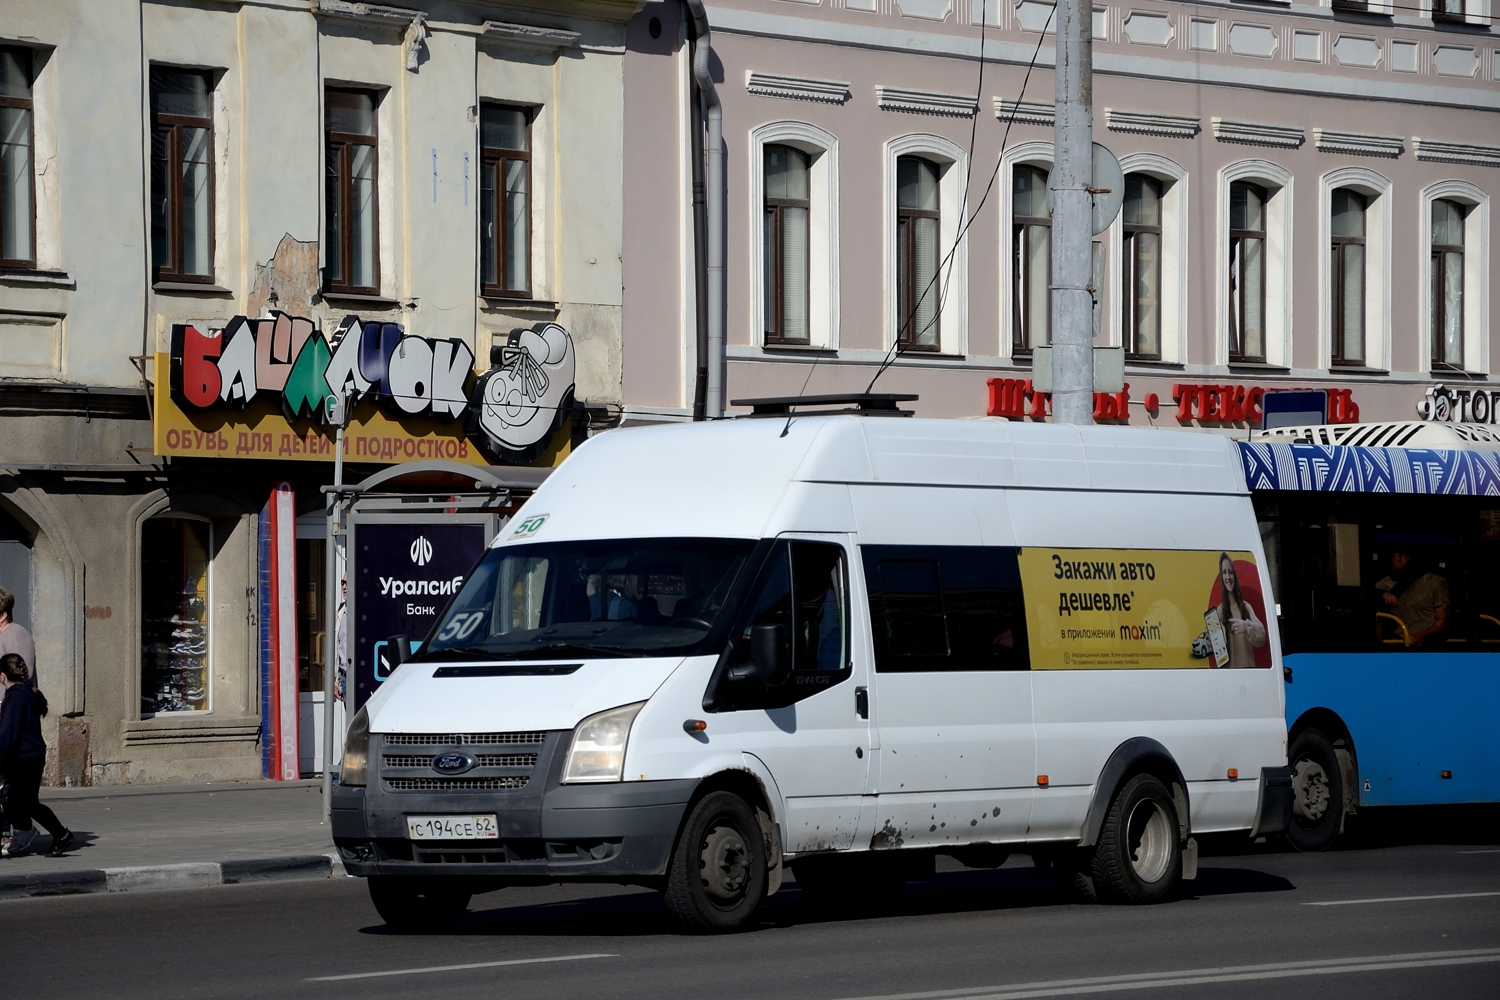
(193, 875)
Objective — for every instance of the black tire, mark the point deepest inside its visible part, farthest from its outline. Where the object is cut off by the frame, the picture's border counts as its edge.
(1139, 855)
(717, 875)
(852, 881)
(1317, 792)
(416, 905)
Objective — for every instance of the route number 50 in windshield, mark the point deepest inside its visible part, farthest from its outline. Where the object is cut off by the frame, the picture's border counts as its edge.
(460, 626)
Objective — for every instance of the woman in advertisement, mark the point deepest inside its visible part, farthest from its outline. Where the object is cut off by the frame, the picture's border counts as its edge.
(1233, 627)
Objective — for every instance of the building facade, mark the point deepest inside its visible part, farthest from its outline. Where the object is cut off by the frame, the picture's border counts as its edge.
(1308, 202)
(218, 217)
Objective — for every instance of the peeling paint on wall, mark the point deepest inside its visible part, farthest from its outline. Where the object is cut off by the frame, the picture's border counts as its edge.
(288, 281)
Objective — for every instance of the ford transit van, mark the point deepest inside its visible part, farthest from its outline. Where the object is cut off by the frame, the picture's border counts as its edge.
(704, 654)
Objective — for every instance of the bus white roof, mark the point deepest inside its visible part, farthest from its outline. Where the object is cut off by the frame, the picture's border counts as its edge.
(1391, 434)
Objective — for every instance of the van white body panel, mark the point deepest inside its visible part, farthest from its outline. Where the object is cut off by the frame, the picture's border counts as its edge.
(944, 758)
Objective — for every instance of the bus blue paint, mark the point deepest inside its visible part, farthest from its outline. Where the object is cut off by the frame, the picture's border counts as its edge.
(1410, 716)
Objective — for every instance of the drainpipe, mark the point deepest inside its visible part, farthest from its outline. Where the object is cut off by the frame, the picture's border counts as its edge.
(713, 341)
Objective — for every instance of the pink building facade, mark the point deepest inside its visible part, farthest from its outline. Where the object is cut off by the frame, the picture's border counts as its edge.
(1309, 203)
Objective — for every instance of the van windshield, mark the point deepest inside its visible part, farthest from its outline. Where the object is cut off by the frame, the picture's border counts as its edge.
(610, 597)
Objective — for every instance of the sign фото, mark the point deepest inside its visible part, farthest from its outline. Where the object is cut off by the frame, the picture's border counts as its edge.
(266, 388)
(1460, 404)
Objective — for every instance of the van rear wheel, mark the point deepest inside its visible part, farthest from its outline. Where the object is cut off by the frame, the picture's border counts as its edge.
(717, 876)
(1317, 792)
(1139, 855)
(411, 904)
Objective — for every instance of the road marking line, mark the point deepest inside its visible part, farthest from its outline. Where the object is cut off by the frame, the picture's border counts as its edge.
(1198, 977)
(453, 968)
(1401, 899)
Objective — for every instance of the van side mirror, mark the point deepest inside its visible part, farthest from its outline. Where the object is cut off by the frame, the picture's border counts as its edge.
(397, 651)
(769, 662)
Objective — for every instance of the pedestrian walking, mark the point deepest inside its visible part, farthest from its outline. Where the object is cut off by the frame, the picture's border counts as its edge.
(22, 752)
(13, 637)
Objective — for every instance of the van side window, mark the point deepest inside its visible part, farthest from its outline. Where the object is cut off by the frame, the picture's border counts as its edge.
(803, 586)
(945, 608)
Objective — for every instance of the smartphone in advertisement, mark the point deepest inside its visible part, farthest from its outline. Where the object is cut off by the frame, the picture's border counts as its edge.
(1216, 637)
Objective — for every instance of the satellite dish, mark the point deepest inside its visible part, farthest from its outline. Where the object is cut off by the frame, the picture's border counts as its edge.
(1110, 181)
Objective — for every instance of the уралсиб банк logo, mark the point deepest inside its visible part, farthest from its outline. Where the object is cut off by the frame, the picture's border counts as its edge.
(421, 551)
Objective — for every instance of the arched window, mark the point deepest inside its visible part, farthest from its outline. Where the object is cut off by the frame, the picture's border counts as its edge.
(1255, 264)
(794, 246)
(1031, 260)
(918, 253)
(1141, 263)
(1247, 272)
(1355, 268)
(1347, 258)
(1447, 288)
(786, 247)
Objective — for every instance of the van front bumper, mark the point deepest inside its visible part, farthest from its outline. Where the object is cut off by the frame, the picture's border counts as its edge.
(619, 832)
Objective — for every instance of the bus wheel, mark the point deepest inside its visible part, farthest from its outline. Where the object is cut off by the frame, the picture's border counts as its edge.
(1139, 855)
(717, 876)
(1317, 792)
(410, 904)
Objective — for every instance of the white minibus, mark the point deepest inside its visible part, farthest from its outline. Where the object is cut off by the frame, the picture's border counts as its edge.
(703, 654)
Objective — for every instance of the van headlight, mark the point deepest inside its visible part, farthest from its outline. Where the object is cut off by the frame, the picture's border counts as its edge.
(598, 750)
(356, 766)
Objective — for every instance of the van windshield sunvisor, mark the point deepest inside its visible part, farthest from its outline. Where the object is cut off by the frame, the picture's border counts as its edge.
(605, 598)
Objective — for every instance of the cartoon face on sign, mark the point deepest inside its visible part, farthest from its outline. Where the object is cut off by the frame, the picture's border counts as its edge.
(519, 403)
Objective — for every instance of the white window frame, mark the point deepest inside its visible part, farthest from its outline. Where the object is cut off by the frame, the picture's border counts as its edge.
(823, 244)
(953, 281)
(1174, 258)
(1378, 189)
(1476, 272)
(1278, 182)
(1027, 154)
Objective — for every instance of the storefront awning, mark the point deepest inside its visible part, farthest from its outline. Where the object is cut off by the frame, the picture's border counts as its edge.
(1343, 469)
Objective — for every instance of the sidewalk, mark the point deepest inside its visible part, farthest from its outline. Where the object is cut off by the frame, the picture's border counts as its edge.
(176, 836)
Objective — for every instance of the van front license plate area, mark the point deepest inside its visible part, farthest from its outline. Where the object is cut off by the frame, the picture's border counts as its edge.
(471, 827)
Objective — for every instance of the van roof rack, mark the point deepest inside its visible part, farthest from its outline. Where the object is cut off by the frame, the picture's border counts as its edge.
(871, 404)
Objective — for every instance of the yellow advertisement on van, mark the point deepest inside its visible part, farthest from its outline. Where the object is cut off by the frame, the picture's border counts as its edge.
(1134, 609)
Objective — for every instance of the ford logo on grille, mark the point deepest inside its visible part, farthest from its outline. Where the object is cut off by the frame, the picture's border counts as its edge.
(453, 763)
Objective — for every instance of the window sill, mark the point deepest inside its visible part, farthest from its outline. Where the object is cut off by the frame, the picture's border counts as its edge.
(1453, 373)
(524, 305)
(28, 276)
(1259, 366)
(909, 355)
(1150, 365)
(1356, 370)
(362, 299)
(800, 349)
(191, 727)
(192, 288)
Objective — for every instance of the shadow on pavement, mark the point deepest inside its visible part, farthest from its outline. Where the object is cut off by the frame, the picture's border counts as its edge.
(1233, 881)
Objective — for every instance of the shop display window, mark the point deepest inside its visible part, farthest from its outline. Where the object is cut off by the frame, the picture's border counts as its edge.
(175, 556)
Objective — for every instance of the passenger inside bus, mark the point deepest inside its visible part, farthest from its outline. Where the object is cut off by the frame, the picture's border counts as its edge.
(1416, 597)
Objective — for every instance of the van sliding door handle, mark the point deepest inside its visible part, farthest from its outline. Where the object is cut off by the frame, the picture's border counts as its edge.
(862, 701)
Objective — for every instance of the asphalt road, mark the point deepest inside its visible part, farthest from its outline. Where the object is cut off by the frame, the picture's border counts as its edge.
(1392, 920)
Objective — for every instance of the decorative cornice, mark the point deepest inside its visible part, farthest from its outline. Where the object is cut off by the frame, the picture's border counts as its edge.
(798, 88)
(1456, 152)
(1361, 143)
(529, 36)
(925, 102)
(1151, 123)
(377, 13)
(1258, 133)
(1026, 112)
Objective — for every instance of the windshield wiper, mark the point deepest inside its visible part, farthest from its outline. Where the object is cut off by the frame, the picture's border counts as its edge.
(554, 649)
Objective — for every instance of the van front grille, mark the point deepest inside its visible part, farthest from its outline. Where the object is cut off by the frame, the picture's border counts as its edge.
(502, 761)
(460, 739)
(483, 759)
(456, 784)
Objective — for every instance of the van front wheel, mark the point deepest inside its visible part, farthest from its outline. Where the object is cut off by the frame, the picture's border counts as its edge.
(411, 904)
(1139, 855)
(717, 875)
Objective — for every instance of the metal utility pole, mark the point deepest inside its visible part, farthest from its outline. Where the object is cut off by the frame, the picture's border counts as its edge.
(1072, 210)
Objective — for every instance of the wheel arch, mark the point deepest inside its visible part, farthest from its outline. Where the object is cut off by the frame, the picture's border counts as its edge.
(1332, 725)
(1137, 755)
(751, 787)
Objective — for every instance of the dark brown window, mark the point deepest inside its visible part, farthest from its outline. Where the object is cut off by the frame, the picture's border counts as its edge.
(918, 224)
(1031, 270)
(17, 178)
(505, 201)
(786, 252)
(182, 175)
(1451, 11)
(1447, 292)
(1348, 279)
(1358, 6)
(1141, 258)
(1247, 272)
(352, 258)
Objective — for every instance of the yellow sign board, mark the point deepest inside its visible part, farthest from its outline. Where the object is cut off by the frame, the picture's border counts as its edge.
(262, 431)
(1133, 609)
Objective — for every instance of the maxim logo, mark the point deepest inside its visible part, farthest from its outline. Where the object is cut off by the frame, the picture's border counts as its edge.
(421, 551)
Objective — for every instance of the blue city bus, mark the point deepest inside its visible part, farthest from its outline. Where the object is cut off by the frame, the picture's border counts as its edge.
(1385, 566)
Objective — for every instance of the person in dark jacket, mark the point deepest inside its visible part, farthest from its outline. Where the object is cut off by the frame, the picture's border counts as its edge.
(22, 752)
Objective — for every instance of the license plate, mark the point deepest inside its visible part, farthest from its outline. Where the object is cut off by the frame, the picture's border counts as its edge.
(473, 827)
